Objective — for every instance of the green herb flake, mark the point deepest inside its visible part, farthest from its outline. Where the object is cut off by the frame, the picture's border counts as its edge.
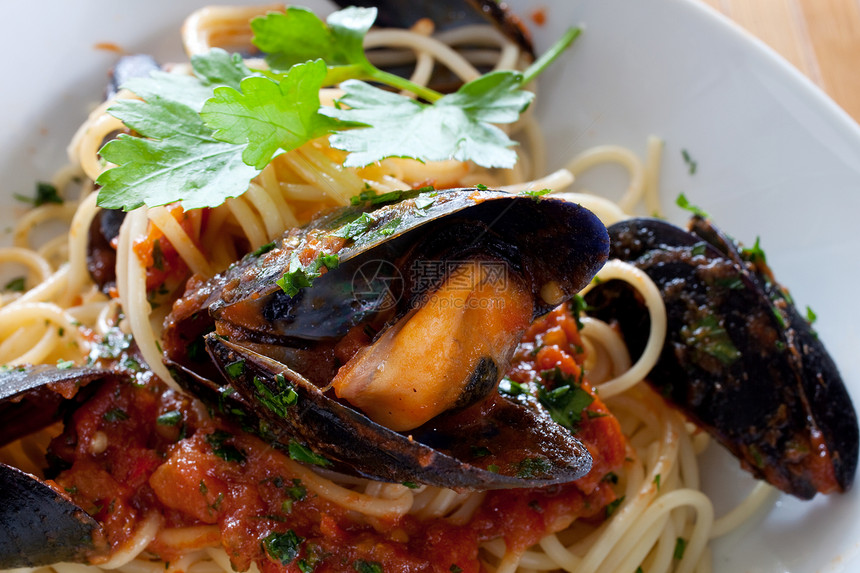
(755, 254)
(235, 369)
(480, 187)
(613, 505)
(811, 317)
(300, 276)
(115, 415)
(356, 227)
(302, 453)
(410, 484)
(685, 204)
(278, 401)
(362, 566)
(709, 337)
(692, 165)
(567, 401)
(578, 307)
(493, 468)
(512, 387)
(263, 249)
(536, 195)
(157, 255)
(680, 547)
(533, 467)
(170, 418)
(480, 452)
(657, 481)
(454, 568)
(611, 477)
(64, 364)
(228, 452)
(45, 193)
(15, 285)
(282, 547)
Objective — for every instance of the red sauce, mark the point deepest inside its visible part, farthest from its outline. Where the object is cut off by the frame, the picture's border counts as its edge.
(134, 449)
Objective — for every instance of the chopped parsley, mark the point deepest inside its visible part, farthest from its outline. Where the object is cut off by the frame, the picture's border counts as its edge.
(45, 193)
(536, 195)
(228, 452)
(235, 369)
(300, 276)
(170, 418)
(64, 364)
(613, 505)
(115, 415)
(755, 254)
(282, 547)
(685, 204)
(533, 467)
(566, 401)
(362, 566)
(280, 400)
(302, 453)
(680, 547)
(15, 285)
(263, 249)
(709, 337)
(689, 161)
(657, 481)
(811, 317)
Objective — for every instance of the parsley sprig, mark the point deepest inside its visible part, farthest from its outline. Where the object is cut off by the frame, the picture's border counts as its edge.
(200, 139)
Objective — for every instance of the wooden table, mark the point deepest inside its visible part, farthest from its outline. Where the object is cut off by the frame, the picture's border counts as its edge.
(821, 38)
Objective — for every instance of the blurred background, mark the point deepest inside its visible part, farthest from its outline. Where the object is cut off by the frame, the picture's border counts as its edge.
(821, 38)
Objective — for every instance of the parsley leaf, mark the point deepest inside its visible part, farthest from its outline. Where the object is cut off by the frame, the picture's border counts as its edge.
(178, 159)
(299, 35)
(267, 116)
(456, 126)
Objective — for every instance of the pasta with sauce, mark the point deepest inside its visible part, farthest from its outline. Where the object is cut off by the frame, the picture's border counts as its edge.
(198, 513)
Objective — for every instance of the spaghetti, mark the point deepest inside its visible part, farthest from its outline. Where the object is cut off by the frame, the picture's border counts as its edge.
(62, 316)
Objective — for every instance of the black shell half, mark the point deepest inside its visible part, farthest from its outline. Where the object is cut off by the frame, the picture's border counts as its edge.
(38, 526)
(738, 357)
(534, 450)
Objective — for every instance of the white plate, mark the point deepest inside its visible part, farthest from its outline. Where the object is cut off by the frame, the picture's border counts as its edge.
(776, 158)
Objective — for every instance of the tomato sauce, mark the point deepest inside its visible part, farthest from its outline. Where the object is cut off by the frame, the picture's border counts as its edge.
(138, 449)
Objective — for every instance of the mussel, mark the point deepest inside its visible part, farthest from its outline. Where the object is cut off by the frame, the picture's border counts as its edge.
(739, 359)
(414, 323)
(39, 525)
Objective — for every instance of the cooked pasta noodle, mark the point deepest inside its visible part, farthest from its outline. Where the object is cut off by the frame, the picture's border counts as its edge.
(56, 317)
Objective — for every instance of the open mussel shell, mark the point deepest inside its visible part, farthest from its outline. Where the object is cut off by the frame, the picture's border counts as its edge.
(448, 14)
(521, 444)
(38, 526)
(549, 241)
(738, 358)
(34, 397)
